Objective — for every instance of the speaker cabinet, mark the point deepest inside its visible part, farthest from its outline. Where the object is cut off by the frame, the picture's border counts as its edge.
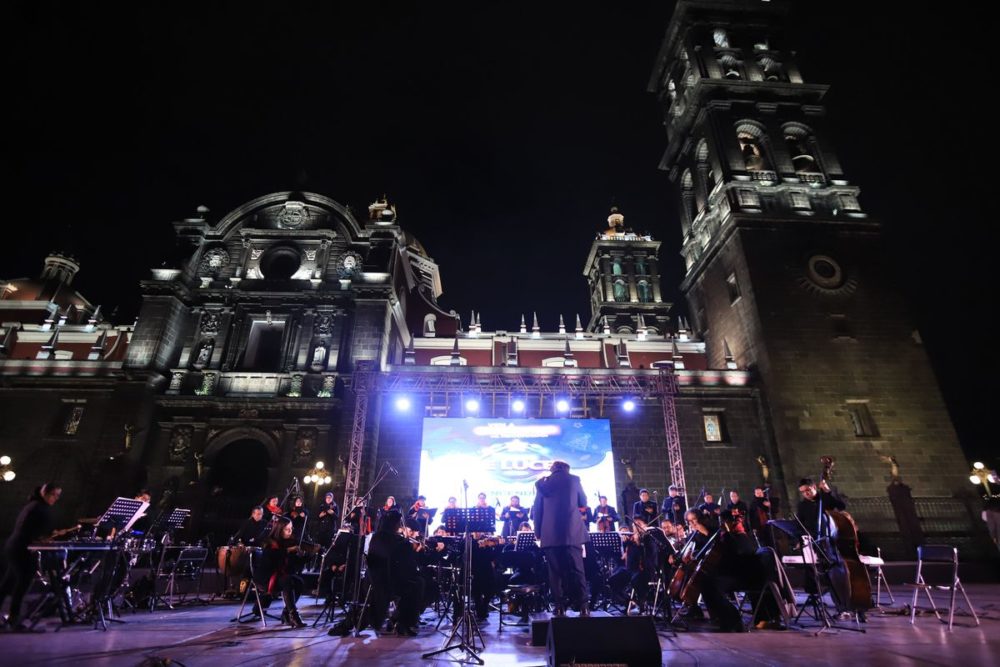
(604, 640)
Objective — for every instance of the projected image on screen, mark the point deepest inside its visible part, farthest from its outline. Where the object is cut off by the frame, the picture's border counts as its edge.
(504, 457)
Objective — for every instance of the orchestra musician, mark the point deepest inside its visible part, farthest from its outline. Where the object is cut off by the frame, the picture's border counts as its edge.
(644, 508)
(284, 564)
(674, 505)
(605, 515)
(738, 509)
(253, 530)
(710, 511)
(419, 514)
(513, 516)
(393, 568)
(450, 512)
(389, 507)
(809, 506)
(33, 523)
(481, 503)
(557, 526)
(327, 519)
(272, 508)
(299, 514)
(353, 518)
(761, 511)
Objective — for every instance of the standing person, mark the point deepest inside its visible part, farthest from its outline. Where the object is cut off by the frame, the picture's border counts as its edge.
(644, 508)
(512, 516)
(33, 523)
(605, 515)
(299, 515)
(674, 505)
(738, 510)
(761, 511)
(272, 508)
(387, 508)
(450, 514)
(558, 527)
(327, 519)
(418, 513)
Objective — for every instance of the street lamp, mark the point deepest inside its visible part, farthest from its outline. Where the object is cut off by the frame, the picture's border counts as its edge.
(318, 476)
(980, 475)
(6, 472)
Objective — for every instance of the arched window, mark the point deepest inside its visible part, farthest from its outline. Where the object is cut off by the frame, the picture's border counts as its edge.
(704, 177)
(621, 291)
(645, 293)
(751, 136)
(799, 139)
(429, 325)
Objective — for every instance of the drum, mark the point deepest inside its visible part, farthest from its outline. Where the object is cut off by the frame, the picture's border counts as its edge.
(232, 560)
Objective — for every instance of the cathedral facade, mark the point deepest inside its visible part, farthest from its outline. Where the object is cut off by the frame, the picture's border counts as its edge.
(290, 327)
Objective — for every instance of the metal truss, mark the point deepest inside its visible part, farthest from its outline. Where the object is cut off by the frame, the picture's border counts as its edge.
(568, 382)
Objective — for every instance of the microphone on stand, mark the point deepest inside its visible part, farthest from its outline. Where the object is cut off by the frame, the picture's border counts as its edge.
(392, 469)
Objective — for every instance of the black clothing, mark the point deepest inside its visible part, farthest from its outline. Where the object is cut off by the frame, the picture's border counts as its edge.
(299, 517)
(759, 513)
(739, 508)
(607, 513)
(512, 518)
(808, 511)
(394, 570)
(645, 511)
(450, 514)
(252, 532)
(566, 569)
(556, 510)
(673, 508)
(421, 516)
(327, 522)
(33, 523)
(587, 515)
(382, 512)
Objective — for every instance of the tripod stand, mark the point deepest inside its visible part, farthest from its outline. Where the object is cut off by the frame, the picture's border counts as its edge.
(466, 630)
(258, 607)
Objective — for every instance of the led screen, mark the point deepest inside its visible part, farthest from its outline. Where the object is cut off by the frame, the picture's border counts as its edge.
(504, 457)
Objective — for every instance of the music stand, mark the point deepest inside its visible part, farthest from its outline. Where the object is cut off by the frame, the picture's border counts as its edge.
(122, 514)
(800, 536)
(340, 550)
(607, 544)
(475, 519)
(525, 541)
(424, 523)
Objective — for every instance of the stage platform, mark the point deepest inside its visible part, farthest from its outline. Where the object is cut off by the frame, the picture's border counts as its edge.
(204, 635)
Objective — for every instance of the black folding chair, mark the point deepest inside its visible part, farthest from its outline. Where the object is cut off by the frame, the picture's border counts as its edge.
(942, 576)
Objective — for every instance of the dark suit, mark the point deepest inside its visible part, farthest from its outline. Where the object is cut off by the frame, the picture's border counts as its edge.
(556, 513)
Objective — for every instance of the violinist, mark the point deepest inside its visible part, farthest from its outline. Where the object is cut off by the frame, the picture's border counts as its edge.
(738, 509)
(513, 516)
(674, 505)
(605, 515)
(354, 519)
(284, 561)
(272, 508)
(644, 509)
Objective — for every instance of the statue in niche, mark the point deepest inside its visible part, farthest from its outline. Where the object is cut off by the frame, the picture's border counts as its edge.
(893, 468)
(211, 321)
(129, 431)
(324, 324)
(204, 353)
(180, 444)
(319, 354)
(305, 445)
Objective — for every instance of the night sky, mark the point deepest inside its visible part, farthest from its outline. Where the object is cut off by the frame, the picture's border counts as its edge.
(502, 132)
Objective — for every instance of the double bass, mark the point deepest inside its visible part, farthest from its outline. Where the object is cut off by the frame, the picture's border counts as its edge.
(848, 575)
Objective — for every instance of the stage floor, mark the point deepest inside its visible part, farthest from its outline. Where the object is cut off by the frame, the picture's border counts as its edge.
(204, 635)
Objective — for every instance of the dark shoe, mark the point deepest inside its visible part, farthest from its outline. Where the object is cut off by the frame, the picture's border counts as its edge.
(285, 619)
(585, 611)
(295, 619)
(559, 611)
(403, 631)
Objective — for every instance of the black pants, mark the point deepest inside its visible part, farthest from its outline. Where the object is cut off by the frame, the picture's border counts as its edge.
(16, 580)
(566, 574)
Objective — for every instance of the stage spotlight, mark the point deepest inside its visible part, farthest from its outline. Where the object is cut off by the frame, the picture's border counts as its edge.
(472, 405)
(403, 404)
(562, 405)
(628, 405)
(517, 405)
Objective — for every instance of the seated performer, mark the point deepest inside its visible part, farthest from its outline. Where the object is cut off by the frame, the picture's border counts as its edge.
(674, 506)
(327, 519)
(33, 523)
(253, 530)
(393, 568)
(644, 508)
(284, 565)
(738, 509)
(605, 516)
(512, 516)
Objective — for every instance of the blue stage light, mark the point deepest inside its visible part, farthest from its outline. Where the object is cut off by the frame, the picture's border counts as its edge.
(562, 405)
(517, 405)
(403, 404)
(472, 405)
(628, 405)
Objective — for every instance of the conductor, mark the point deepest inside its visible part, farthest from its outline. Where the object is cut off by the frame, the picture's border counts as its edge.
(556, 512)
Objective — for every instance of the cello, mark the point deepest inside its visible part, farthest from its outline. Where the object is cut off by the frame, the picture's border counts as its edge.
(848, 575)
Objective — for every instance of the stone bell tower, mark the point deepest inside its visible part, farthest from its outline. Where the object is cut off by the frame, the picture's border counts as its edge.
(784, 267)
